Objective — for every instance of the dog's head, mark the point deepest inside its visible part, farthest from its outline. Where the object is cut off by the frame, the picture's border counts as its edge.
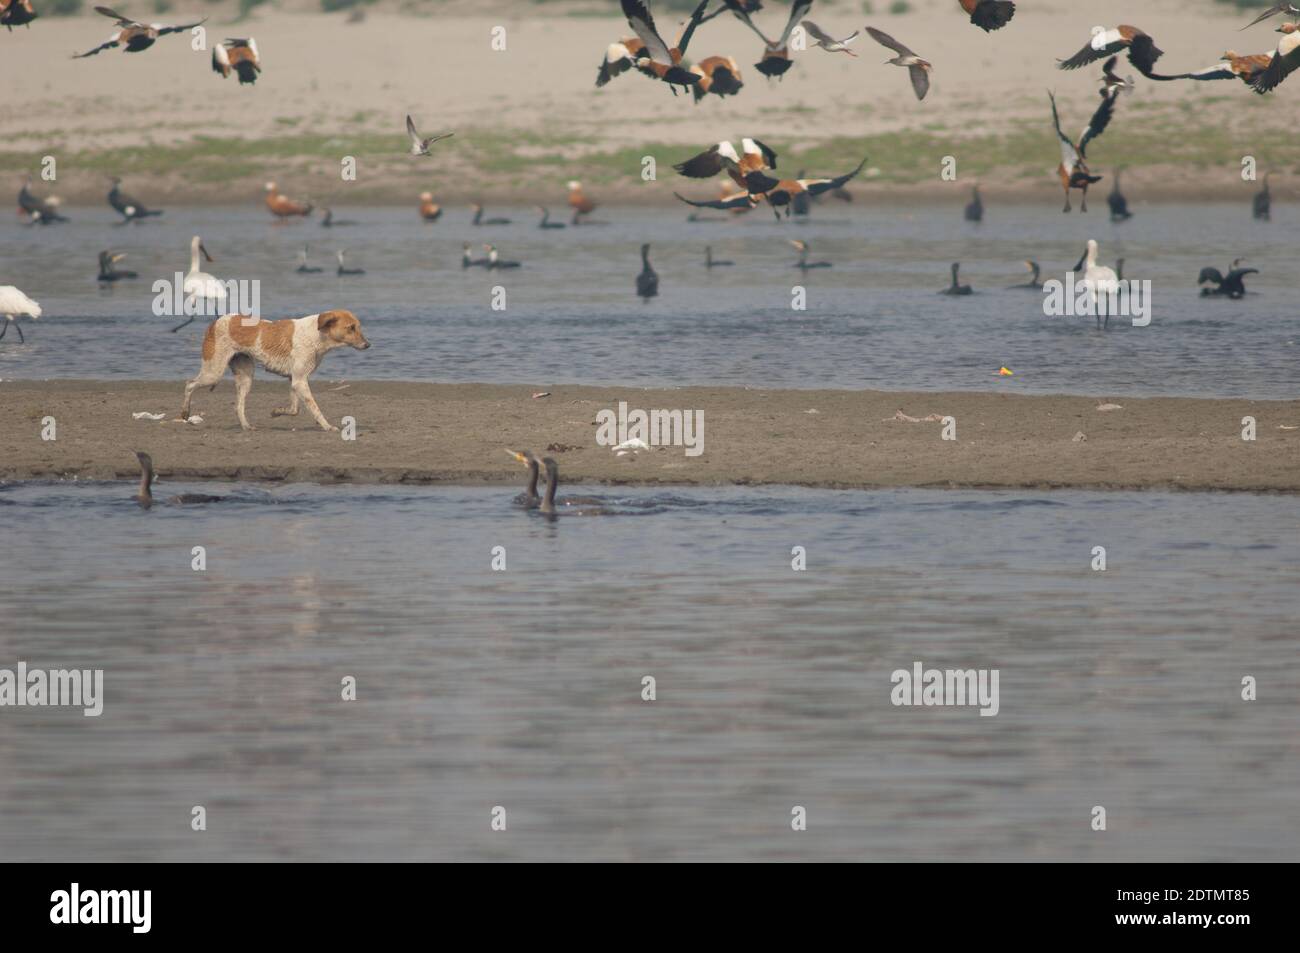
(342, 328)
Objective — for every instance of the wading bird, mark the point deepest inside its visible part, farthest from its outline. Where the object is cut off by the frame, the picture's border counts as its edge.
(283, 207)
(200, 287)
(826, 41)
(1118, 203)
(776, 53)
(134, 37)
(127, 206)
(989, 14)
(546, 222)
(974, 211)
(240, 56)
(918, 69)
(145, 494)
(529, 499)
(39, 211)
(430, 210)
(494, 260)
(647, 282)
(1284, 61)
(107, 272)
(420, 146)
(1262, 203)
(343, 269)
(303, 267)
(754, 157)
(579, 202)
(1098, 279)
(478, 218)
(655, 58)
(1110, 80)
(718, 75)
(16, 13)
(711, 262)
(13, 305)
(1229, 286)
(956, 288)
(1073, 170)
(1033, 283)
(803, 264)
(1142, 51)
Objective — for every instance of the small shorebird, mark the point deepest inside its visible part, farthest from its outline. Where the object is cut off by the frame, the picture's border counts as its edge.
(754, 157)
(343, 269)
(283, 207)
(803, 264)
(16, 13)
(39, 211)
(107, 272)
(1110, 80)
(1284, 61)
(828, 42)
(655, 58)
(134, 37)
(776, 53)
(578, 201)
(304, 268)
(1118, 203)
(494, 259)
(126, 205)
(546, 222)
(989, 14)
(430, 211)
(1262, 203)
(200, 286)
(15, 304)
(956, 288)
(478, 218)
(1289, 9)
(974, 211)
(1142, 51)
(718, 75)
(1073, 170)
(917, 68)
(1229, 286)
(647, 282)
(420, 146)
(240, 56)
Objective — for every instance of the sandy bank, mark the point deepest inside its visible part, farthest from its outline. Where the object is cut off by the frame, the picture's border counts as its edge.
(454, 433)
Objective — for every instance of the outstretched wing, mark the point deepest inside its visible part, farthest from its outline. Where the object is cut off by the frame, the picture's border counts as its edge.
(1069, 155)
(1110, 43)
(884, 39)
(99, 49)
(743, 16)
(1284, 62)
(1270, 12)
(769, 155)
(818, 186)
(920, 80)
(798, 10)
(1100, 120)
(739, 200)
(696, 19)
(643, 25)
(114, 15)
(817, 33)
(164, 30)
(1142, 53)
(703, 166)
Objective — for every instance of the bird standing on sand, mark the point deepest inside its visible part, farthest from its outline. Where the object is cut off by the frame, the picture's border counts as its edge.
(13, 305)
(283, 207)
(989, 14)
(828, 42)
(647, 282)
(917, 68)
(130, 209)
(1073, 170)
(419, 146)
(134, 37)
(239, 56)
(956, 288)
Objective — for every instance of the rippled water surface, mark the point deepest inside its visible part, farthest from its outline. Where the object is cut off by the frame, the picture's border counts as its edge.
(522, 688)
(873, 320)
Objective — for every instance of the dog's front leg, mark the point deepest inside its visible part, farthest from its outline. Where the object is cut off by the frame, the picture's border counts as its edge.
(301, 389)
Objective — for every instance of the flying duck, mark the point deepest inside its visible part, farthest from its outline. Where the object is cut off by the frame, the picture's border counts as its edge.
(918, 69)
(134, 37)
(1284, 61)
(108, 273)
(128, 207)
(430, 210)
(989, 15)
(237, 55)
(778, 192)
(1289, 9)
(718, 75)
(1231, 65)
(754, 157)
(619, 58)
(1142, 51)
(283, 207)
(1230, 286)
(647, 282)
(956, 288)
(655, 58)
(1073, 170)
(420, 146)
(776, 53)
(16, 13)
(826, 41)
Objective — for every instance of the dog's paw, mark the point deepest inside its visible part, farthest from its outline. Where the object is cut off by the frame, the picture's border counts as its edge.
(329, 428)
(283, 412)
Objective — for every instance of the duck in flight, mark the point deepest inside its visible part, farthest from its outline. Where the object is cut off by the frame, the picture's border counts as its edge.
(647, 282)
(134, 37)
(144, 496)
(108, 273)
(1110, 80)
(1283, 62)
(918, 69)
(720, 157)
(1073, 170)
(803, 264)
(16, 13)
(989, 15)
(420, 146)
(718, 75)
(1226, 286)
(776, 53)
(779, 193)
(956, 288)
(1142, 51)
(655, 58)
(238, 56)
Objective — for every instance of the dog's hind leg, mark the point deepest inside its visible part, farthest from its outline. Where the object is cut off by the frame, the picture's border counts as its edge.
(241, 365)
(209, 376)
(292, 409)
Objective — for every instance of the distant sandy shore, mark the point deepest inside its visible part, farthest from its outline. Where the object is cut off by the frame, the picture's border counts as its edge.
(425, 433)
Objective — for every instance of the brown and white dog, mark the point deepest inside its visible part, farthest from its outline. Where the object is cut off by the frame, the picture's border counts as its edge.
(292, 348)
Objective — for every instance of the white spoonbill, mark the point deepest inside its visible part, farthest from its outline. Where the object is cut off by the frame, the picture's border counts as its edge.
(1101, 282)
(200, 286)
(12, 304)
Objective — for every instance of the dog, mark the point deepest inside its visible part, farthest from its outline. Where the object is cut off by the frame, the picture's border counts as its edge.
(292, 348)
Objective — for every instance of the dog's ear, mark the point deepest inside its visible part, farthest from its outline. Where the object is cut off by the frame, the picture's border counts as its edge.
(327, 319)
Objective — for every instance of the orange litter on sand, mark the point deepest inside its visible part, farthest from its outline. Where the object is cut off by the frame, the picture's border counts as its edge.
(1004, 372)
